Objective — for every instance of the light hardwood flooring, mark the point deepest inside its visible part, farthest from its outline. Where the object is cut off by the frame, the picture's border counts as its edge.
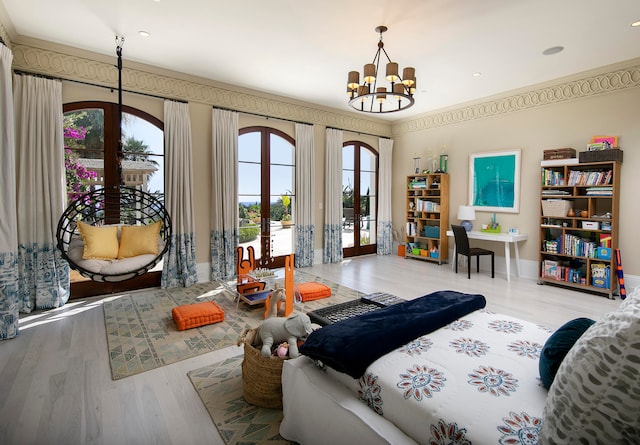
(55, 381)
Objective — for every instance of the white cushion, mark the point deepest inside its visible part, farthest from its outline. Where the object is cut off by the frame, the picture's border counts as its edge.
(595, 397)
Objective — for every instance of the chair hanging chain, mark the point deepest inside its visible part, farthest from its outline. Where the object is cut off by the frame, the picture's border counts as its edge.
(120, 152)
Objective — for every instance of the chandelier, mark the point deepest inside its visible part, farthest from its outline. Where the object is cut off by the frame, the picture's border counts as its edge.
(370, 96)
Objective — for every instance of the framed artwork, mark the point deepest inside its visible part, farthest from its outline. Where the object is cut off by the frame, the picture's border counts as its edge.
(494, 181)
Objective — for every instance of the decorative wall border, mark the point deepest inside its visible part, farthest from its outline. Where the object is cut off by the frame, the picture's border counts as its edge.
(65, 66)
(5, 35)
(589, 86)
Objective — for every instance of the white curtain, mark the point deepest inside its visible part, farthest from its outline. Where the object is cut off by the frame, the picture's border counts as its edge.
(385, 226)
(43, 277)
(179, 264)
(224, 205)
(305, 196)
(333, 197)
(8, 227)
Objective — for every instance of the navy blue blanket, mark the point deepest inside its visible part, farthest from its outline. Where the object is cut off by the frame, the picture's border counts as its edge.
(351, 345)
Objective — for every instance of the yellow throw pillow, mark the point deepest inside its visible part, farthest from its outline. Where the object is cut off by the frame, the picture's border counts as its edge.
(139, 240)
(100, 243)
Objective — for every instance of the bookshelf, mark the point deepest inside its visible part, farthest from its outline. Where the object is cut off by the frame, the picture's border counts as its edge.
(579, 225)
(427, 207)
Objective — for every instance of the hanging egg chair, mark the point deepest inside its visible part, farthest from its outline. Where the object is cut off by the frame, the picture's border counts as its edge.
(114, 234)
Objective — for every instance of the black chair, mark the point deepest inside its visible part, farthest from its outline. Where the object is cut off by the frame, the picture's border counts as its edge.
(462, 248)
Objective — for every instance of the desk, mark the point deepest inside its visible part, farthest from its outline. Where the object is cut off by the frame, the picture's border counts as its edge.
(506, 238)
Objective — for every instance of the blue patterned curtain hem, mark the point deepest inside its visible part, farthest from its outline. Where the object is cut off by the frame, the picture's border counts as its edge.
(304, 246)
(43, 277)
(223, 253)
(332, 243)
(385, 238)
(9, 318)
(179, 264)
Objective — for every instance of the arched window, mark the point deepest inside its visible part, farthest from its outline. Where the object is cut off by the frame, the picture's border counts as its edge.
(359, 198)
(91, 161)
(266, 193)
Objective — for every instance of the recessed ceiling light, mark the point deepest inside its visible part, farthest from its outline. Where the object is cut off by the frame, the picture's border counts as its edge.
(636, 23)
(553, 50)
(144, 33)
(478, 74)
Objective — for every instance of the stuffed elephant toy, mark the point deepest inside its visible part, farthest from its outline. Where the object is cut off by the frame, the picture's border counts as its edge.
(277, 330)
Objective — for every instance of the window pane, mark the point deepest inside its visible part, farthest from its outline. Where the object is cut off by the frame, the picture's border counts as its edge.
(84, 151)
(367, 161)
(248, 179)
(348, 157)
(249, 147)
(282, 151)
(143, 148)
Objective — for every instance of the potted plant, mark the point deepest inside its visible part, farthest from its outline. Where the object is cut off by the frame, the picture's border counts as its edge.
(286, 217)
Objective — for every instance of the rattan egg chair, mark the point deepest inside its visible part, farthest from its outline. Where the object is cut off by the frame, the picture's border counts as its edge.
(116, 206)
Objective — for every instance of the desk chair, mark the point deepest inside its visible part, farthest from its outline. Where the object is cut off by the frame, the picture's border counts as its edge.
(462, 248)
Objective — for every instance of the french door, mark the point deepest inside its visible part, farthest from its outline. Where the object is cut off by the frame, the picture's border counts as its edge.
(359, 199)
(91, 130)
(266, 194)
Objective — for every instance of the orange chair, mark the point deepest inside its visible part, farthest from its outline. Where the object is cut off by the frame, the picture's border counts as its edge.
(243, 267)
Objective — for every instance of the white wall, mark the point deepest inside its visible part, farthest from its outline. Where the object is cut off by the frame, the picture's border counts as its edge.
(557, 125)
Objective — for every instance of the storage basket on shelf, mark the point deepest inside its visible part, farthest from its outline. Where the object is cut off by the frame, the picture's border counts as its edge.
(556, 207)
(261, 376)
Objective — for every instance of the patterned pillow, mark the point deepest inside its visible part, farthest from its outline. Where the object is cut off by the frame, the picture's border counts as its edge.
(557, 347)
(595, 397)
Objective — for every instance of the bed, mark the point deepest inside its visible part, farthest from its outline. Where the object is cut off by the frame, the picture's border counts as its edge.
(475, 380)
(441, 385)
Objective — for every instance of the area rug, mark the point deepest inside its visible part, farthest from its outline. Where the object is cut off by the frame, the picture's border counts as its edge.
(220, 388)
(142, 336)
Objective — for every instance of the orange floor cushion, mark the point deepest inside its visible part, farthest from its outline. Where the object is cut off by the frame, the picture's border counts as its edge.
(197, 314)
(312, 291)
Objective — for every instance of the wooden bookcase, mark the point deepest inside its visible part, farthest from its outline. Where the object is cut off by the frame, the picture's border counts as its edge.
(579, 225)
(427, 209)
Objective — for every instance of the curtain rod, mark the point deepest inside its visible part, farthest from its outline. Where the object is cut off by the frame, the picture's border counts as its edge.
(22, 72)
(296, 122)
(360, 132)
(263, 115)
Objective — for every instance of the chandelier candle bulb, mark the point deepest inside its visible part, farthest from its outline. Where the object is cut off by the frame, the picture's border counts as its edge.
(369, 73)
(392, 72)
(354, 80)
(409, 76)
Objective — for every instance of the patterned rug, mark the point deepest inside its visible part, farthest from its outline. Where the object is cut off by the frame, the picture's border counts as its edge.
(142, 336)
(220, 388)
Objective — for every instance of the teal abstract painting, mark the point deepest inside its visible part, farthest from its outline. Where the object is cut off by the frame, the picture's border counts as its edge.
(494, 181)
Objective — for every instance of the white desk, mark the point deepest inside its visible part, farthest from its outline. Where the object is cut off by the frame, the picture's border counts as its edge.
(506, 238)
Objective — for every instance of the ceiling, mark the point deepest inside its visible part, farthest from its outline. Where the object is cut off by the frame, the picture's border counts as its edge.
(303, 50)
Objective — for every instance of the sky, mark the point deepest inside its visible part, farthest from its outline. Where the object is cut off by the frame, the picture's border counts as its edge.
(152, 136)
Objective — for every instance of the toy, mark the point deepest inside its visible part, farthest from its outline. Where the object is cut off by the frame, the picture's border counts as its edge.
(272, 305)
(282, 350)
(278, 330)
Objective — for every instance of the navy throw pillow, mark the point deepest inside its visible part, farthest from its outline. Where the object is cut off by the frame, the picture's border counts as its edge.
(557, 347)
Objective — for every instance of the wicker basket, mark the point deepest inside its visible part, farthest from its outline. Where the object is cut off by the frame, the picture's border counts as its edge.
(261, 377)
(556, 207)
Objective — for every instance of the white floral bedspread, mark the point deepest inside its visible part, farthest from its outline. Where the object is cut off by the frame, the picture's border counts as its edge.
(474, 381)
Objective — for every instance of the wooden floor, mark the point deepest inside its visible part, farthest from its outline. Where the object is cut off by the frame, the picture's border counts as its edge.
(55, 381)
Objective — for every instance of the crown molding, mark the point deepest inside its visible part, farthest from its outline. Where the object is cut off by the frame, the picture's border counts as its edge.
(617, 77)
(4, 34)
(78, 65)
